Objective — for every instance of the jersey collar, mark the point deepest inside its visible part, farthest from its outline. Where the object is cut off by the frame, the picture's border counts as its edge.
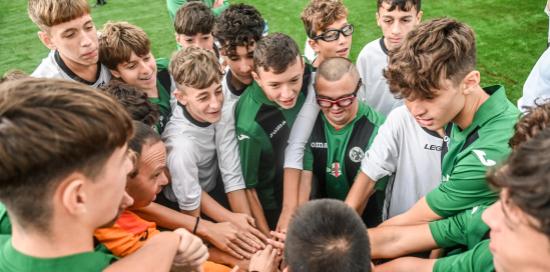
(71, 74)
(193, 121)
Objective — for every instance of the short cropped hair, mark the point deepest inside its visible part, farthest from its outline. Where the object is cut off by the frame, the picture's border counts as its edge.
(135, 101)
(117, 42)
(51, 128)
(536, 118)
(276, 51)
(238, 25)
(333, 69)
(48, 13)
(403, 5)
(196, 68)
(527, 178)
(194, 18)
(436, 50)
(327, 235)
(319, 14)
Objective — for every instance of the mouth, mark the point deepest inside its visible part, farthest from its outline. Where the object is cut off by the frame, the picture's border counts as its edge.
(287, 102)
(395, 40)
(89, 55)
(148, 78)
(342, 52)
(425, 122)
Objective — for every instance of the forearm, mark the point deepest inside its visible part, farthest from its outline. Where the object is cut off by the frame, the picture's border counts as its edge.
(238, 202)
(213, 209)
(305, 187)
(359, 194)
(396, 241)
(406, 264)
(291, 185)
(166, 217)
(257, 210)
(420, 213)
(157, 254)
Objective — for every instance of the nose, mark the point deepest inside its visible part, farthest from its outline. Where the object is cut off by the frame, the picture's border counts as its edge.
(144, 68)
(163, 179)
(87, 38)
(127, 201)
(395, 28)
(245, 67)
(286, 92)
(215, 102)
(342, 38)
(490, 215)
(416, 108)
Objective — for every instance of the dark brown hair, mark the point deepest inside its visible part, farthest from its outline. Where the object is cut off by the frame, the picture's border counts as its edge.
(194, 18)
(527, 178)
(436, 50)
(135, 101)
(531, 123)
(403, 5)
(50, 129)
(276, 51)
(238, 25)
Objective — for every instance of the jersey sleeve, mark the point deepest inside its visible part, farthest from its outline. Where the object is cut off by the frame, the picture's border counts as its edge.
(381, 158)
(478, 259)
(450, 231)
(362, 68)
(466, 186)
(227, 149)
(5, 223)
(182, 163)
(308, 159)
(301, 130)
(173, 6)
(250, 150)
(218, 10)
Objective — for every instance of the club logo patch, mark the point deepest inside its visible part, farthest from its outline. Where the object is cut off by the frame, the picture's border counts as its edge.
(356, 154)
(335, 169)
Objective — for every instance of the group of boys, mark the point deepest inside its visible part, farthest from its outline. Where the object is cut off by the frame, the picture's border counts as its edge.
(234, 136)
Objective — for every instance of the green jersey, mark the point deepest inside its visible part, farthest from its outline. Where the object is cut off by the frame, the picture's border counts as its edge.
(13, 260)
(470, 151)
(335, 157)
(174, 5)
(5, 224)
(164, 84)
(262, 129)
(464, 229)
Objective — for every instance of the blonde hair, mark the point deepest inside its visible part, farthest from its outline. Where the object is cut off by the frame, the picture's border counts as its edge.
(319, 14)
(196, 68)
(117, 42)
(48, 13)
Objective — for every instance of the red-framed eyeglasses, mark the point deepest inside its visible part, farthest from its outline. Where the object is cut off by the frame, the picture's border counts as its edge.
(343, 102)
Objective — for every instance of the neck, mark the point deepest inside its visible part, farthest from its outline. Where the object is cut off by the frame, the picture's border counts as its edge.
(237, 84)
(342, 125)
(63, 240)
(318, 61)
(86, 72)
(472, 103)
(152, 92)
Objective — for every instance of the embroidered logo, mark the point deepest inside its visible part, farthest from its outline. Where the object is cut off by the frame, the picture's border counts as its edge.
(335, 169)
(277, 128)
(356, 154)
(242, 137)
(482, 156)
(318, 145)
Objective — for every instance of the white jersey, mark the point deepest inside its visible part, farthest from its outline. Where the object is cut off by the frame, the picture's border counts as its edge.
(53, 67)
(191, 159)
(409, 152)
(537, 85)
(226, 143)
(371, 63)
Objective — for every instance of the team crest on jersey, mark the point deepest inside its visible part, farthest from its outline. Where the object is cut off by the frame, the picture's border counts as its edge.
(335, 169)
(356, 154)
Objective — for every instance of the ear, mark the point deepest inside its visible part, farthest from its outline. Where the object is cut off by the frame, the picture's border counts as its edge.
(313, 44)
(255, 75)
(46, 39)
(181, 96)
(179, 38)
(470, 82)
(419, 16)
(115, 73)
(73, 195)
(377, 18)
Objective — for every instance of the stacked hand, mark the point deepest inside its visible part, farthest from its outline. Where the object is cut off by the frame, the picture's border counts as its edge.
(191, 254)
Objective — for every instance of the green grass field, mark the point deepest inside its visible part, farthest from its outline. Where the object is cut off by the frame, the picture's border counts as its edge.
(511, 35)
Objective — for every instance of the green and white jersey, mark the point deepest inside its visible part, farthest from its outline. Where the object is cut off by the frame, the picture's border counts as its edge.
(262, 129)
(335, 157)
(13, 260)
(164, 87)
(464, 229)
(470, 152)
(174, 5)
(54, 67)
(5, 224)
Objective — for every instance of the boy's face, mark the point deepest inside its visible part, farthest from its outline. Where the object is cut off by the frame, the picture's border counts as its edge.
(396, 24)
(107, 194)
(435, 113)
(140, 72)
(76, 41)
(341, 93)
(204, 105)
(515, 243)
(205, 41)
(282, 88)
(151, 177)
(241, 63)
(336, 48)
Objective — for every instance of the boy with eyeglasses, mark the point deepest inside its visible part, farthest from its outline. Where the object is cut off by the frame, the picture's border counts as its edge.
(330, 35)
(342, 133)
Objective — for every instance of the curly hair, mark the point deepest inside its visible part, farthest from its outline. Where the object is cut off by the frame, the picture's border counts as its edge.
(438, 49)
(135, 102)
(319, 14)
(194, 18)
(535, 119)
(527, 179)
(238, 25)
